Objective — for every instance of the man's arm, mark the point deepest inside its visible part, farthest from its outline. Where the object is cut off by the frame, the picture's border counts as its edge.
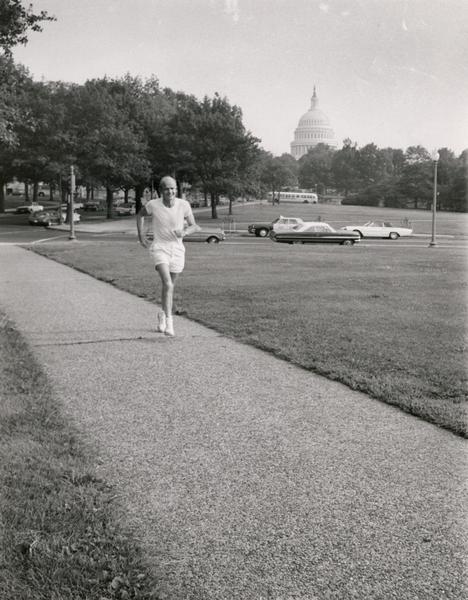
(140, 221)
(191, 227)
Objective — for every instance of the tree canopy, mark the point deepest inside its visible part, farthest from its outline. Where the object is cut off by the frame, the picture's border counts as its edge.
(15, 22)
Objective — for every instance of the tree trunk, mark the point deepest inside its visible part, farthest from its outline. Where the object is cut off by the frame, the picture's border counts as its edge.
(35, 189)
(51, 192)
(2, 194)
(26, 191)
(109, 200)
(214, 212)
(230, 206)
(138, 195)
(125, 195)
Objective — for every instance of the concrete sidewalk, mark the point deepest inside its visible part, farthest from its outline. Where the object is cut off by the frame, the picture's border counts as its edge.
(244, 477)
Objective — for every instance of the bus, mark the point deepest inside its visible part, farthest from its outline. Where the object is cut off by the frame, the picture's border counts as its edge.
(304, 197)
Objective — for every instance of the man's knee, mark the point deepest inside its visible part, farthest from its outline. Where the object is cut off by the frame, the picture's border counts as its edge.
(168, 285)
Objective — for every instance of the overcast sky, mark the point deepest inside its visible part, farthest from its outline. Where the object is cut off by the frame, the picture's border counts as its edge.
(392, 72)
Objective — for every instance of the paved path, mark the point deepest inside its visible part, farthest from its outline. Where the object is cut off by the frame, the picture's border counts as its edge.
(245, 477)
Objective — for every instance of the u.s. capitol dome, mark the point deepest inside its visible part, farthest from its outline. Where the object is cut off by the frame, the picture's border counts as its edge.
(314, 128)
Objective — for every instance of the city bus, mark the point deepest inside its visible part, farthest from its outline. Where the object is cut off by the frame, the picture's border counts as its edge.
(304, 197)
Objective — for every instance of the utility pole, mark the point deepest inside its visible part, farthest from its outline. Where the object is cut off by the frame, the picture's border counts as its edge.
(72, 204)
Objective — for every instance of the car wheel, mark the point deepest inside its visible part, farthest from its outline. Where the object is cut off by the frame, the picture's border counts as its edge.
(358, 232)
(347, 243)
(393, 235)
(212, 240)
(262, 232)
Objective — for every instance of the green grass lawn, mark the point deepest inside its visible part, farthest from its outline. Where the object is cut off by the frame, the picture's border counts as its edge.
(61, 532)
(387, 320)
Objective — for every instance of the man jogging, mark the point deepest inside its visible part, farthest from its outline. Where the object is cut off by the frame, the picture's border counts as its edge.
(172, 219)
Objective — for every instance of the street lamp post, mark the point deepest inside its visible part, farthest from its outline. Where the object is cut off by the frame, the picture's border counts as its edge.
(72, 204)
(435, 160)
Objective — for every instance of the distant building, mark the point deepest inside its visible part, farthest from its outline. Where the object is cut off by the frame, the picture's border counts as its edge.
(314, 128)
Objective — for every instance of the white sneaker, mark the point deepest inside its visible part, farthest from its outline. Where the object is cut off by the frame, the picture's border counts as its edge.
(162, 324)
(169, 327)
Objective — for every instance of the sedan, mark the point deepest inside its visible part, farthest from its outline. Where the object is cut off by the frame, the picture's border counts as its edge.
(310, 233)
(28, 209)
(50, 217)
(211, 235)
(126, 209)
(379, 229)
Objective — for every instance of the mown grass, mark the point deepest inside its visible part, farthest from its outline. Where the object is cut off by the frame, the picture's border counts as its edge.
(61, 534)
(387, 320)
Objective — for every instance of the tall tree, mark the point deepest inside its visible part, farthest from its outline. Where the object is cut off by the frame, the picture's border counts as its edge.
(315, 168)
(112, 149)
(16, 21)
(345, 167)
(211, 146)
(14, 110)
(47, 140)
(415, 183)
(278, 172)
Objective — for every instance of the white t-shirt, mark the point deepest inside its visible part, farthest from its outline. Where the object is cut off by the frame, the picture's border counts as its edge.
(167, 220)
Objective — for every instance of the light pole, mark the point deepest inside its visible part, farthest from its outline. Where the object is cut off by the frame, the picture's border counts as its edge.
(72, 204)
(435, 160)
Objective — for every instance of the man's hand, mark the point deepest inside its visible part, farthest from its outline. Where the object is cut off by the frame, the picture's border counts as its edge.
(145, 242)
(179, 233)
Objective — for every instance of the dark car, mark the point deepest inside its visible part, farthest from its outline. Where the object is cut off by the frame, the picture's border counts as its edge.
(310, 233)
(92, 205)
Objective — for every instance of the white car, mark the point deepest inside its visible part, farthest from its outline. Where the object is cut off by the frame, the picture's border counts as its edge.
(126, 209)
(286, 223)
(50, 217)
(379, 229)
(28, 208)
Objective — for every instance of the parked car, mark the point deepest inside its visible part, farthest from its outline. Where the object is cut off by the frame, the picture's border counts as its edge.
(195, 204)
(92, 205)
(28, 209)
(314, 232)
(211, 235)
(379, 229)
(124, 210)
(50, 217)
(279, 224)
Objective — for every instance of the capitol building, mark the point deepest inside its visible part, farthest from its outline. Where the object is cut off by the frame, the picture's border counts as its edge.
(314, 128)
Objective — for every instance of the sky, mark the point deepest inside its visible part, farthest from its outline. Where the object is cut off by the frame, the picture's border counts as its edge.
(391, 72)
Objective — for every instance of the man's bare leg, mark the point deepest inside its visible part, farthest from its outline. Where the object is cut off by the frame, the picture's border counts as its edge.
(168, 280)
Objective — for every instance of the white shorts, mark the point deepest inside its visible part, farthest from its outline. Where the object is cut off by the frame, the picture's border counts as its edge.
(172, 255)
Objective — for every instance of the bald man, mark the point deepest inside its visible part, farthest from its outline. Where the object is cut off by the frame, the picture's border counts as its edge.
(172, 219)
